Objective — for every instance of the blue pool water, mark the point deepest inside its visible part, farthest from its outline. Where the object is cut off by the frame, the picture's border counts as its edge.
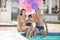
(50, 36)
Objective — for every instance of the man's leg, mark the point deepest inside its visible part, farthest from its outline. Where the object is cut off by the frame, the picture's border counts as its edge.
(43, 32)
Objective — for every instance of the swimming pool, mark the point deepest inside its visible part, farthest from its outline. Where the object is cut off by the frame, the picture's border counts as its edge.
(50, 36)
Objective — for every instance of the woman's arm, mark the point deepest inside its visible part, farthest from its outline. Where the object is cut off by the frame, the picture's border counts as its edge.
(24, 23)
(18, 25)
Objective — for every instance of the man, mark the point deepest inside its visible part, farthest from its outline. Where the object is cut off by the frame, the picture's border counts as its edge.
(40, 21)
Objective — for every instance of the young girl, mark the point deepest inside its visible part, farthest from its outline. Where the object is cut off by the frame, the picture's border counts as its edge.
(31, 26)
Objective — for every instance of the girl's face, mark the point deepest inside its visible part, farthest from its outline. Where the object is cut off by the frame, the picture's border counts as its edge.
(24, 12)
(29, 18)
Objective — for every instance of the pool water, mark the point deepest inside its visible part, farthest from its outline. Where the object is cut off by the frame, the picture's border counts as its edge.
(45, 38)
(50, 36)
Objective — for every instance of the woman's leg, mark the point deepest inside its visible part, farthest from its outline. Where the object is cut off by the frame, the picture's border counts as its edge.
(19, 29)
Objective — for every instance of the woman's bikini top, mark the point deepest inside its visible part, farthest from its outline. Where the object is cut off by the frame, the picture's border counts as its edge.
(21, 21)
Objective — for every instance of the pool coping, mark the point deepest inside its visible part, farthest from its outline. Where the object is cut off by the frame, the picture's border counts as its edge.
(48, 34)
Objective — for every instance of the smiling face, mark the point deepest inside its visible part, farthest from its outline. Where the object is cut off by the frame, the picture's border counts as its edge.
(23, 12)
(36, 11)
(29, 17)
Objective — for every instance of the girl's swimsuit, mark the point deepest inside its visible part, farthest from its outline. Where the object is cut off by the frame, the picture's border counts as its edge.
(29, 23)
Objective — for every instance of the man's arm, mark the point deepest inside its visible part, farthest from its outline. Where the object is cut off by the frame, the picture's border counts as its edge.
(45, 23)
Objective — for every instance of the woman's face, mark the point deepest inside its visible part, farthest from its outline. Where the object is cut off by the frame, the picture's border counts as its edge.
(24, 12)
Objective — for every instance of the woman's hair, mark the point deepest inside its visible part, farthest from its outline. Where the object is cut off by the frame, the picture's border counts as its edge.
(21, 11)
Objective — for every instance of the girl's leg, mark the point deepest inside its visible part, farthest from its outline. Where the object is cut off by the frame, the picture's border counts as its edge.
(34, 33)
(31, 34)
(27, 32)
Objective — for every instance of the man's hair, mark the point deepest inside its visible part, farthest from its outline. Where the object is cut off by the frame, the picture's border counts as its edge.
(30, 16)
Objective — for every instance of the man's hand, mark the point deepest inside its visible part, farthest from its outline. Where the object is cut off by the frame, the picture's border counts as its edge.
(46, 30)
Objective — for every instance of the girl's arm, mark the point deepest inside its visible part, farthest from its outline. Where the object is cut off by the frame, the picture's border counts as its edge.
(33, 23)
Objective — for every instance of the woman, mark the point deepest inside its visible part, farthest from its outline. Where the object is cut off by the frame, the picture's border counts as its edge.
(21, 23)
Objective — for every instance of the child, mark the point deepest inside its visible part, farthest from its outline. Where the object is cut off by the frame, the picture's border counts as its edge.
(30, 24)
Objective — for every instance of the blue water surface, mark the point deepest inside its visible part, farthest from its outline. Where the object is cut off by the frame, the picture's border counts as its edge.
(50, 36)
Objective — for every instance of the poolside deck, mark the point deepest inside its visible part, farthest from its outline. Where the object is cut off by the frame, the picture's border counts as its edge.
(10, 33)
(51, 27)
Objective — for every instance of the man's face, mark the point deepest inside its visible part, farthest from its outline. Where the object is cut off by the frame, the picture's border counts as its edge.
(36, 11)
